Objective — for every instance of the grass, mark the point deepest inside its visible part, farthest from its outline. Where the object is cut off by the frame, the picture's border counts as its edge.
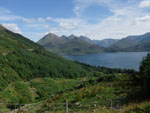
(83, 96)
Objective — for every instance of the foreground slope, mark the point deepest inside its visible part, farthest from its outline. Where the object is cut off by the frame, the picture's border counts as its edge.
(23, 60)
(23, 55)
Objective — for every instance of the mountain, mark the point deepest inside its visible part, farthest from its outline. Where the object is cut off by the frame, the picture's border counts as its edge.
(132, 43)
(86, 39)
(78, 46)
(106, 42)
(52, 42)
(69, 45)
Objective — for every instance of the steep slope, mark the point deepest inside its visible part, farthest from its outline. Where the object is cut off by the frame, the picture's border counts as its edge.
(22, 60)
(29, 59)
(105, 42)
(132, 43)
(70, 45)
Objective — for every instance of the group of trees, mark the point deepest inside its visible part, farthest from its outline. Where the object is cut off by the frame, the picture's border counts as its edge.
(138, 84)
(144, 75)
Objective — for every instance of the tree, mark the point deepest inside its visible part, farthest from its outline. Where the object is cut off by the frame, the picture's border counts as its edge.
(145, 75)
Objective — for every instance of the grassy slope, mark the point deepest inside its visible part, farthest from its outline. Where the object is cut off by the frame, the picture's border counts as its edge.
(84, 95)
(26, 70)
(22, 60)
(18, 52)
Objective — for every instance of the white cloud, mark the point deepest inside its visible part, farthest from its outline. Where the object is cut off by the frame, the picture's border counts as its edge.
(145, 3)
(127, 19)
(68, 26)
(41, 19)
(77, 10)
(28, 20)
(6, 15)
(146, 18)
(12, 27)
(38, 26)
(118, 25)
(9, 18)
(48, 18)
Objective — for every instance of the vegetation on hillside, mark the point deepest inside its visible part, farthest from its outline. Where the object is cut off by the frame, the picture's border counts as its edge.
(35, 80)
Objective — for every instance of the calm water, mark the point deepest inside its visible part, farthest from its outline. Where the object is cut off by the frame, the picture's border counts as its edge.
(124, 60)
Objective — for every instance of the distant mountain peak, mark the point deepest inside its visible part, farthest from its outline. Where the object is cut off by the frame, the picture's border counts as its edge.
(2, 27)
(148, 33)
(72, 36)
(51, 34)
(63, 36)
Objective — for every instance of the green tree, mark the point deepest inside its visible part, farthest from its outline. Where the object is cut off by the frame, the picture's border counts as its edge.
(145, 75)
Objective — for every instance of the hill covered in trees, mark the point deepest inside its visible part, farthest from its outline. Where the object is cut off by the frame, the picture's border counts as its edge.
(28, 59)
(22, 60)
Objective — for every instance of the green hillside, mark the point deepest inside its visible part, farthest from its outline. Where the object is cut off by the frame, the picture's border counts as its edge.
(22, 60)
(30, 60)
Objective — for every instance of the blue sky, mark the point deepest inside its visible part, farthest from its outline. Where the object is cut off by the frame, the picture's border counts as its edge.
(97, 19)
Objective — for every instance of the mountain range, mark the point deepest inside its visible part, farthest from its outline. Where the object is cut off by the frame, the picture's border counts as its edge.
(69, 45)
(84, 45)
(131, 44)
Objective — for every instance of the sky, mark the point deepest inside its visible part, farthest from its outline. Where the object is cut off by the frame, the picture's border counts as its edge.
(96, 19)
